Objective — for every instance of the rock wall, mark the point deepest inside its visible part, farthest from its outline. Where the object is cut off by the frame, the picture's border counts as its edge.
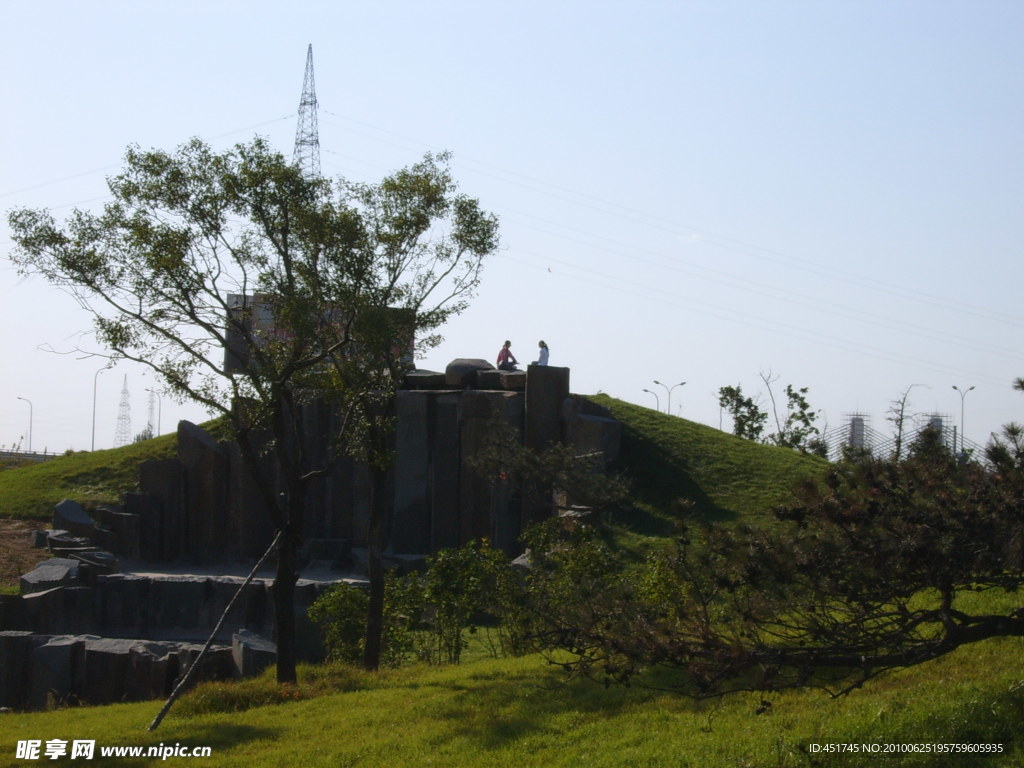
(39, 671)
(202, 506)
(58, 598)
(76, 637)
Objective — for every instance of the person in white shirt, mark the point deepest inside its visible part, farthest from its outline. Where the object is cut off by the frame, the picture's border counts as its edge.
(543, 359)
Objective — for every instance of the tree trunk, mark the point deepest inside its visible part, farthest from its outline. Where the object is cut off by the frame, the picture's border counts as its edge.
(375, 571)
(284, 603)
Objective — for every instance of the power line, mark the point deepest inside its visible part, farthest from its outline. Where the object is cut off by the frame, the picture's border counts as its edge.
(584, 199)
(662, 296)
(703, 272)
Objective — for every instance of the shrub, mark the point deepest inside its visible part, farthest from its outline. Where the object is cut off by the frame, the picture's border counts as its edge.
(340, 612)
(426, 615)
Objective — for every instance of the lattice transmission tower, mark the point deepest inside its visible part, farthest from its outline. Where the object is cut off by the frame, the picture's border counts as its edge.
(307, 137)
(151, 423)
(123, 433)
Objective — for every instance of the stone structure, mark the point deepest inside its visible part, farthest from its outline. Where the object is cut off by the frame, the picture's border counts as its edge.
(202, 507)
(81, 630)
(39, 671)
(75, 635)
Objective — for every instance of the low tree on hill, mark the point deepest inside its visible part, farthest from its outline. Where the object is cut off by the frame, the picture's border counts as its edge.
(797, 430)
(252, 290)
(748, 420)
(865, 574)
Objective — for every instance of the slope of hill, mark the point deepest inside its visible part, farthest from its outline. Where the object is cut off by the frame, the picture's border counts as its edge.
(677, 467)
(89, 477)
(669, 463)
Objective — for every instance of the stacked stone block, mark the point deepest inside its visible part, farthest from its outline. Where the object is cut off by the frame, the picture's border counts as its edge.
(203, 506)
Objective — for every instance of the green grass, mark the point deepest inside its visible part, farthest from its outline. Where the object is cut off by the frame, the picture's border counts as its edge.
(88, 477)
(521, 713)
(678, 467)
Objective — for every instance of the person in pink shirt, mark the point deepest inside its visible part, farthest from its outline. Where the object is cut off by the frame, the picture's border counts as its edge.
(506, 360)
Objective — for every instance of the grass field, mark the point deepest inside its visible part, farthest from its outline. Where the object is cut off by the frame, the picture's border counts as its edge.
(521, 713)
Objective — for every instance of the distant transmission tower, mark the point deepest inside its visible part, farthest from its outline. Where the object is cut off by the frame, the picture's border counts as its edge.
(307, 137)
(123, 434)
(150, 420)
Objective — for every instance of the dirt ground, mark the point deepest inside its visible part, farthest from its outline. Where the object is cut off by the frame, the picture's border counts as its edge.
(17, 555)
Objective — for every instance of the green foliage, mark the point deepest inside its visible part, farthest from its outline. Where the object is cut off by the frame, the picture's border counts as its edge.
(331, 282)
(868, 573)
(340, 613)
(572, 580)
(795, 430)
(798, 430)
(316, 290)
(748, 420)
(426, 615)
(461, 588)
(1006, 452)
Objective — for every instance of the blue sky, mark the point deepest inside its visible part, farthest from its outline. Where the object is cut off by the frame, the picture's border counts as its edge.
(689, 191)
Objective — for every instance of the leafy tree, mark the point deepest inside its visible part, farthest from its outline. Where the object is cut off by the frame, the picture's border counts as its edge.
(314, 291)
(340, 612)
(429, 613)
(571, 588)
(1006, 451)
(748, 420)
(797, 431)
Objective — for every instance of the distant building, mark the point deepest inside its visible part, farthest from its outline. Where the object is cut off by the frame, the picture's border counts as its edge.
(250, 317)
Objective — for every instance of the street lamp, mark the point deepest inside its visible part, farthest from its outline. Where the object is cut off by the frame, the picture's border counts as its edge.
(657, 402)
(159, 409)
(29, 422)
(668, 407)
(95, 376)
(963, 396)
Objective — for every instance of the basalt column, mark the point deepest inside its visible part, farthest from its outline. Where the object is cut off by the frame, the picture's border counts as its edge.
(547, 388)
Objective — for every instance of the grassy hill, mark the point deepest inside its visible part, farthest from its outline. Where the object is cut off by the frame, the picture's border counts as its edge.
(677, 467)
(89, 477)
(667, 460)
(520, 712)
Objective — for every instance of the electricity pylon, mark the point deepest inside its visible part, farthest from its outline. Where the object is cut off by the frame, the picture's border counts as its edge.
(307, 138)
